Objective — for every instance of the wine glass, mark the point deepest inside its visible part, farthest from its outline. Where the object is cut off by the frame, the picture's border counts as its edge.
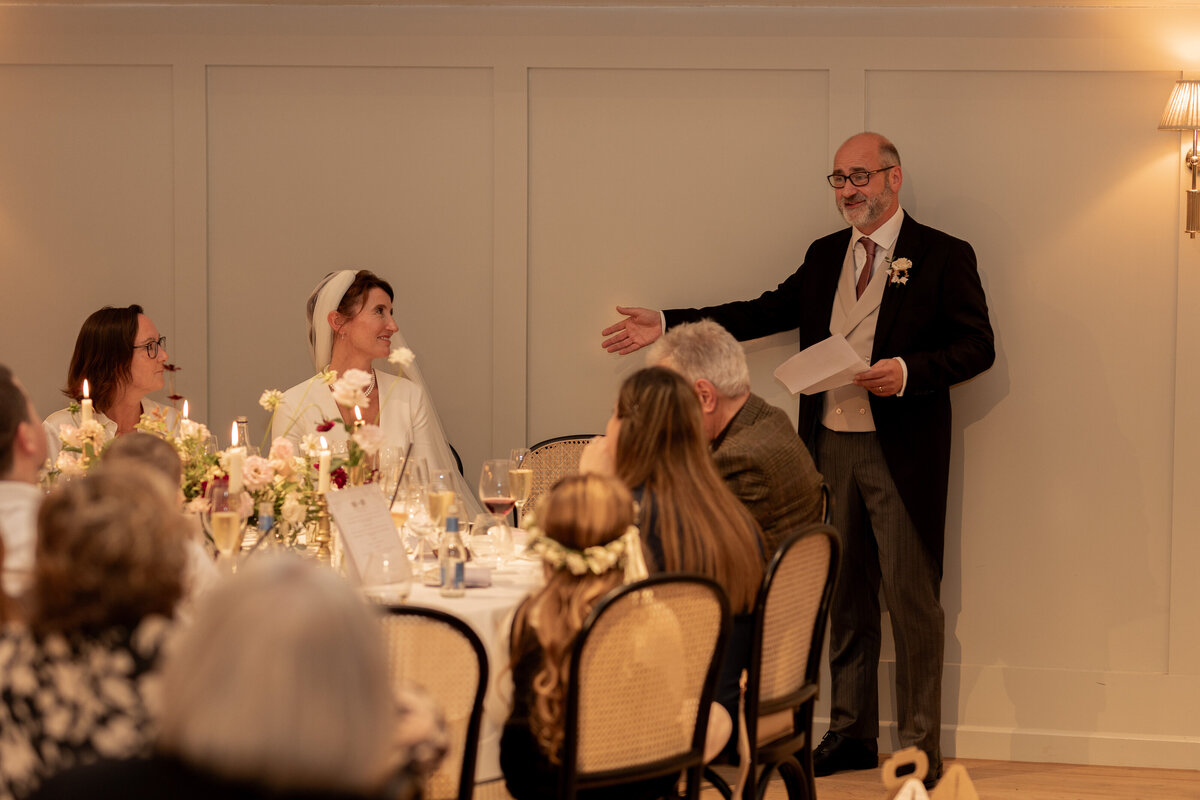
(440, 496)
(520, 479)
(391, 463)
(224, 518)
(495, 491)
(387, 578)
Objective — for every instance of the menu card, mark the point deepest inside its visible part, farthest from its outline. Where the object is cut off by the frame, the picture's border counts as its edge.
(365, 523)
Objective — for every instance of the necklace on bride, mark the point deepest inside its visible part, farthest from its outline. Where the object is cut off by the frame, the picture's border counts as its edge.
(371, 388)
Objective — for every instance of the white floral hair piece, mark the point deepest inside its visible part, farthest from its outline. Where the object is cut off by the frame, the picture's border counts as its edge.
(624, 552)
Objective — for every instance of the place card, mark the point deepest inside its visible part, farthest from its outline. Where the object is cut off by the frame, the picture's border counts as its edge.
(365, 524)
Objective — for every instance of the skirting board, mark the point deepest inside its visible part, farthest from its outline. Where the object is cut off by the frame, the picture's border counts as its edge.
(1056, 716)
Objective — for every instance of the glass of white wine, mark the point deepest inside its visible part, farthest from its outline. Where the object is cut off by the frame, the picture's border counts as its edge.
(439, 497)
(225, 519)
(520, 479)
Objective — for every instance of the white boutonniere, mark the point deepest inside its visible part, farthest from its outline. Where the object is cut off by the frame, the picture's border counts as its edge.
(898, 271)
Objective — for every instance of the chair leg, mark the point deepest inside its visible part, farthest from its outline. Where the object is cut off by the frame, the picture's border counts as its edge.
(799, 784)
(718, 783)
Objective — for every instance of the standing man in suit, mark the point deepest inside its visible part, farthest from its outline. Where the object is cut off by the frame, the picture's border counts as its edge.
(909, 300)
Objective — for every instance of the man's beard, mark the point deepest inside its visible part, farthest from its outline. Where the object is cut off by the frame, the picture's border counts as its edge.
(868, 214)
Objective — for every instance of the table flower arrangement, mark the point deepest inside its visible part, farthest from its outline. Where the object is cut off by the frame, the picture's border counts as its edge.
(287, 478)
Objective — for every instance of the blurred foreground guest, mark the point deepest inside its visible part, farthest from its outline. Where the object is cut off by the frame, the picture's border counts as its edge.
(690, 521)
(586, 529)
(279, 689)
(22, 453)
(77, 685)
(122, 356)
(755, 446)
(159, 455)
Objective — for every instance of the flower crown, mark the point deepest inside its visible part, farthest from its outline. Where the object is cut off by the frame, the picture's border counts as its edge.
(624, 552)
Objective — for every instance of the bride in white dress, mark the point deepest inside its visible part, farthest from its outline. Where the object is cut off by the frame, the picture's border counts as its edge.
(350, 325)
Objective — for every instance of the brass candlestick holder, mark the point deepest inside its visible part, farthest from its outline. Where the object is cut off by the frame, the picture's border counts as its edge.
(319, 546)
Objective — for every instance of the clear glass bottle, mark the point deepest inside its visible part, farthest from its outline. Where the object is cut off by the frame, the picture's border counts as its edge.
(453, 560)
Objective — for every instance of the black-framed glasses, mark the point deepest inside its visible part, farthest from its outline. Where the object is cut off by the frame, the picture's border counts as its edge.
(855, 178)
(153, 347)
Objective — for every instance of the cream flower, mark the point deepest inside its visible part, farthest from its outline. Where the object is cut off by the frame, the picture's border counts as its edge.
(190, 429)
(402, 357)
(310, 446)
(92, 431)
(69, 435)
(294, 512)
(328, 376)
(257, 473)
(351, 388)
(69, 464)
(270, 399)
(369, 438)
(282, 449)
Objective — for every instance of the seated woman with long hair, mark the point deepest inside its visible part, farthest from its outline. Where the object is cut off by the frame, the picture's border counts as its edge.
(78, 684)
(122, 356)
(689, 519)
(581, 512)
(278, 689)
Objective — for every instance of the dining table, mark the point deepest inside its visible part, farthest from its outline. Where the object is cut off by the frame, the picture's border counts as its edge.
(489, 611)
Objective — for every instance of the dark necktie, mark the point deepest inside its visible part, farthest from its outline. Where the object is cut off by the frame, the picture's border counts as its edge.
(864, 277)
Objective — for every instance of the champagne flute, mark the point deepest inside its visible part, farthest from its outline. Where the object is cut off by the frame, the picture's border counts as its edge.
(440, 496)
(391, 463)
(520, 479)
(224, 519)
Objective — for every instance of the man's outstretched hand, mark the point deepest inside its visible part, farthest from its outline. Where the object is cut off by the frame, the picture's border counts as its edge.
(640, 327)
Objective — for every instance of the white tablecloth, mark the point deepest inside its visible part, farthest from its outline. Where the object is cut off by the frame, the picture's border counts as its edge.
(489, 613)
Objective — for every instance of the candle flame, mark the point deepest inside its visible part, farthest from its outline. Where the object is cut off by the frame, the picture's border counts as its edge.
(357, 414)
(185, 409)
(324, 444)
(86, 394)
(233, 434)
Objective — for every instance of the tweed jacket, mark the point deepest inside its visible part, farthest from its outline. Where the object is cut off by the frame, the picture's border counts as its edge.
(768, 468)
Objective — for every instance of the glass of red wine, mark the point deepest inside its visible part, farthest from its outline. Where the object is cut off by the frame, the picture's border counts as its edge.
(495, 492)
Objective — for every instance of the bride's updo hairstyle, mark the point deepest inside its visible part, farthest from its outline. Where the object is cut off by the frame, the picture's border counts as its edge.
(581, 511)
(343, 291)
(103, 354)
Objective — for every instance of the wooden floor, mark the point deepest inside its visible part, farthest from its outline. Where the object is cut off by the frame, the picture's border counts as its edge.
(996, 780)
(1000, 780)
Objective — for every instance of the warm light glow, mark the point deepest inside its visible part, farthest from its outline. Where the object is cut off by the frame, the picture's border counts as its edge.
(185, 409)
(1183, 108)
(233, 435)
(86, 394)
(324, 444)
(357, 414)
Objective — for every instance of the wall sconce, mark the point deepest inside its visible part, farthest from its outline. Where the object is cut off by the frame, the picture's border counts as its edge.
(1183, 114)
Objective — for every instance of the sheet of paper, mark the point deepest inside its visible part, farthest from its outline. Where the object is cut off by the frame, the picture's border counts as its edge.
(365, 523)
(827, 364)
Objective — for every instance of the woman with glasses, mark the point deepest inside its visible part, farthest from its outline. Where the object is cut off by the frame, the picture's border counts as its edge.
(122, 356)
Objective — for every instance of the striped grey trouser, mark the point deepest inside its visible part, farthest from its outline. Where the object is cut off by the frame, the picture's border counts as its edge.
(880, 545)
